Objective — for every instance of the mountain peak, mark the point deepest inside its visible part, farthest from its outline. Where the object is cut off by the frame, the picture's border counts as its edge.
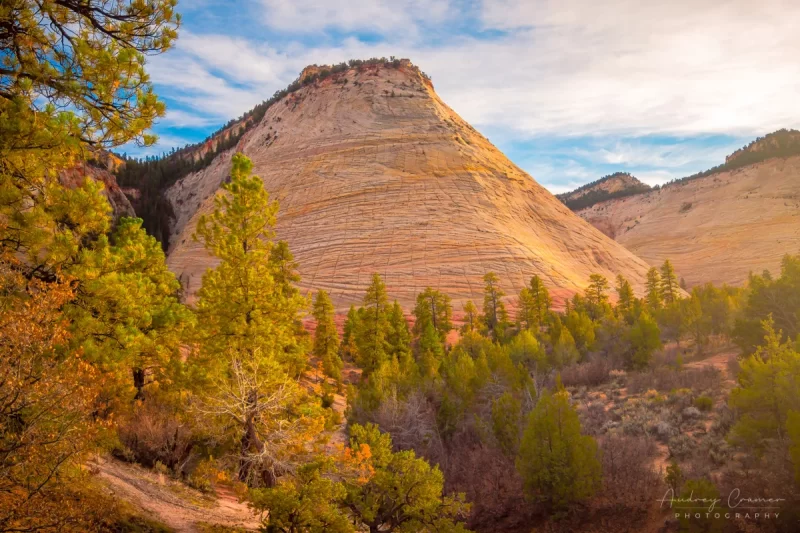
(616, 185)
(373, 172)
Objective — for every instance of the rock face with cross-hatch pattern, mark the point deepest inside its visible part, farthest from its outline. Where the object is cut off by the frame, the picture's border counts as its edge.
(375, 173)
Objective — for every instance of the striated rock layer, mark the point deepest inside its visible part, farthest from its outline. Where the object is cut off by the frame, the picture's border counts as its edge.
(716, 228)
(374, 173)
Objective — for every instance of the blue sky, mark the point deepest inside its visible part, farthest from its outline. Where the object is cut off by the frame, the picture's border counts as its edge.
(570, 90)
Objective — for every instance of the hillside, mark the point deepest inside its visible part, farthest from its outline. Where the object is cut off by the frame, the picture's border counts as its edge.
(374, 173)
(715, 227)
(617, 185)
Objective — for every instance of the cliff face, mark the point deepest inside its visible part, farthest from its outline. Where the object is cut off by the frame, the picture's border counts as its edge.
(75, 176)
(374, 173)
(715, 228)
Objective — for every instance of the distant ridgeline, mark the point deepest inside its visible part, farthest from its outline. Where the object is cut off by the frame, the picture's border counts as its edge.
(780, 144)
(151, 176)
(595, 192)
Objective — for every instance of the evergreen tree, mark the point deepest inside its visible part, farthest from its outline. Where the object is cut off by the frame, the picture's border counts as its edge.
(495, 316)
(326, 338)
(471, 318)
(645, 339)
(596, 295)
(540, 302)
(348, 348)
(654, 297)
(669, 283)
(556, 462)
(372, 337)
(248, 333)
(405, 494)
(434, 307)
(625, 297)
(430, 352)
(399, 336)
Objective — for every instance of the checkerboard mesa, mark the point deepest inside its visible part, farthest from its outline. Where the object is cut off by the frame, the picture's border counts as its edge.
(375, 173)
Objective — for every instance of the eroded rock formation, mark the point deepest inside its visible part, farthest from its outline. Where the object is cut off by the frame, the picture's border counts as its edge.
(374, 173)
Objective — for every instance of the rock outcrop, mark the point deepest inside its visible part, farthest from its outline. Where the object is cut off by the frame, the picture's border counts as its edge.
(374, 173)
(98, 171)
(714, 228)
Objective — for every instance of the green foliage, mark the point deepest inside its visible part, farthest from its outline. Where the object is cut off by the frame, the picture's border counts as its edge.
(653, 297)
(404, 494)
(372, 335)
(626, 300)
(645, 339)
(670, 288)
(768, 391)
(506, 421)
(433, 307)
(495, 317)
(702, 493)
(778, 298)
(556, 462)
(430, 352)
(582, 329)
(248, 316)
(326, 338)
(704, 403)
(534, 305)
(596, 295)
(471, 319)
(308, 501)
(674, 477)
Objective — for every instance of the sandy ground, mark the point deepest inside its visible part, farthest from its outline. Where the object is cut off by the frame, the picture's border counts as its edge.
(171, 502)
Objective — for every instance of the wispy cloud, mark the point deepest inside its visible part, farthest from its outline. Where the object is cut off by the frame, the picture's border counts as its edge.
(623, 83)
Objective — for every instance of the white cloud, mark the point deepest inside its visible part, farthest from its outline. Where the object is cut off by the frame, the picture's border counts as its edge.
(619, 69)
(305, 16)
(640, 152)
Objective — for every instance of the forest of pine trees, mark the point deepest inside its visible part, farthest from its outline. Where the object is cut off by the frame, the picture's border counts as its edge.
(524, 412)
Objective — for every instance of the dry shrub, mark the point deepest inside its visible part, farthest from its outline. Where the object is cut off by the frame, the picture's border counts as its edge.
(592, 373)
(629, 480)
(154, 434)
(491, 482)
(665, 379)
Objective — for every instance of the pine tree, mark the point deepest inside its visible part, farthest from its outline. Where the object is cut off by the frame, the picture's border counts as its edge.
(326, 338)
(556, 462)
(625, 297)
(248, 320)
(655, 300)
(495, 316)
(399, 336)
(669, 283)
(540, 302)
(645, 339)
(434, 307)
(372, 336)
(348, 348)
(596, 296)
(471, 318)
(430, 352)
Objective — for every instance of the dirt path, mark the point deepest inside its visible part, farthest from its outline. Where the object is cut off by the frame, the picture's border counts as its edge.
(720, 362)
(173, 503)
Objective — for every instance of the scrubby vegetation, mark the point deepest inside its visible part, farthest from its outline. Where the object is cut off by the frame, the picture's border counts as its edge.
(533, 415)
